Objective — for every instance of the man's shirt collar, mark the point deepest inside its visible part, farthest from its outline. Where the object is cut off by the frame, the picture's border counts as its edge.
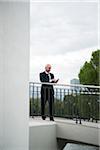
(47, 72)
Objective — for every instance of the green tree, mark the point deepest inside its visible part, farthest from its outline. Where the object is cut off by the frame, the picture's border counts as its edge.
(89, 73)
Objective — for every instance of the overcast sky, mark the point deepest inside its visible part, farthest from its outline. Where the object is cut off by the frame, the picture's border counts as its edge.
(64, 35)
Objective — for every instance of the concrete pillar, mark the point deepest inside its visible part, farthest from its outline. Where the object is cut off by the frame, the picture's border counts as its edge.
(14, 75)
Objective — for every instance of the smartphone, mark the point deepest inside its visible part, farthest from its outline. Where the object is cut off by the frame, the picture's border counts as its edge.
(56, 80)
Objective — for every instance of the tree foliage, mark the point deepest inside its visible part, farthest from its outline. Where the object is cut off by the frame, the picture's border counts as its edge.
(85, 106)
(89, 73)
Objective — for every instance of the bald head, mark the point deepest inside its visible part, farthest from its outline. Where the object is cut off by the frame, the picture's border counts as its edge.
(48, 68)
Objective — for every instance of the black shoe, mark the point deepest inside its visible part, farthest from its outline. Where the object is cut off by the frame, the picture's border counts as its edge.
(51, 119)
(43, 117)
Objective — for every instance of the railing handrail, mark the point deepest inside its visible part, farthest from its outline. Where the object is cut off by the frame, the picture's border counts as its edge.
(70, 85)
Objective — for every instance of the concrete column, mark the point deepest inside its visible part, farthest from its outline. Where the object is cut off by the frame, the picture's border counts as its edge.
(14, 75)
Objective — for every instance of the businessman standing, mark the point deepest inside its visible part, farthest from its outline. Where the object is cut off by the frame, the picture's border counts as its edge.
(47, 91)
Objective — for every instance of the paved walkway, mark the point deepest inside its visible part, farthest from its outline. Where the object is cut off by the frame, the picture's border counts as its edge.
(38, 121)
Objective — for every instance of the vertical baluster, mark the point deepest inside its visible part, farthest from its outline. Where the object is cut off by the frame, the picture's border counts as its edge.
(32, 104)
(76, 107)
(80, 101)
(89, 98)
(30, 99)
(68, 104)
(92, 107)
(37, 101)
(60, 102)
(71, 103)
(97, 107)
(56, 99)
(64, 104)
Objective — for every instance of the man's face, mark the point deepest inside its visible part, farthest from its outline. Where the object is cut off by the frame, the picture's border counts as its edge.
(48, 68)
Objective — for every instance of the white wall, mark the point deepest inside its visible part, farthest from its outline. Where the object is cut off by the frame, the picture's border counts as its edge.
(14, 65)
(77, 132)
(1, 78)
(43, 136)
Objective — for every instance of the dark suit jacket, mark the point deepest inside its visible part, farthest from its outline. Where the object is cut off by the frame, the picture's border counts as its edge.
(46, 89)
(44, 77)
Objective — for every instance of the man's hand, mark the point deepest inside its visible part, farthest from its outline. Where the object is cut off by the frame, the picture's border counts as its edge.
(54, 80)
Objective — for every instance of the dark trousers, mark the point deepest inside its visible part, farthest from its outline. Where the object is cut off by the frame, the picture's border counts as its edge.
(47, 94)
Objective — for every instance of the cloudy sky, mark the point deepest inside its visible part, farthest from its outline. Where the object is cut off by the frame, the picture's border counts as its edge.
(64, 35)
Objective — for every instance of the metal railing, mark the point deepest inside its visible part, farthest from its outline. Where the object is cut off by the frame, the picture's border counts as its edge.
(77, 102)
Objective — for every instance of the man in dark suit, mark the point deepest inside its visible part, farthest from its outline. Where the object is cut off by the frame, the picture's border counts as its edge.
(47, 91)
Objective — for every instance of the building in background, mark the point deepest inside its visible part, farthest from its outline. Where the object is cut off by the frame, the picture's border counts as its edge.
(75, 81)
